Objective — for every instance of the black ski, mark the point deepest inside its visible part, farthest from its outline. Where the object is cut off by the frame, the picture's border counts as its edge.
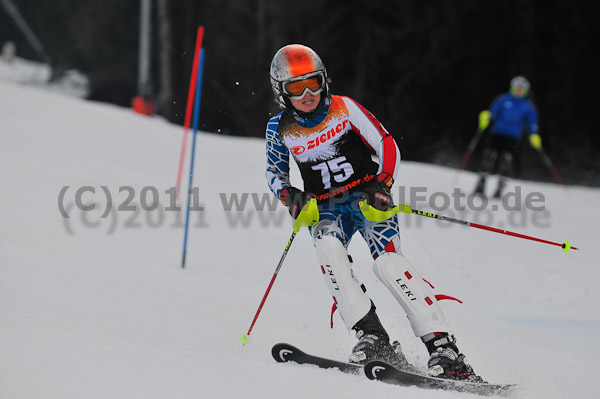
(288, 353)
(382, 371)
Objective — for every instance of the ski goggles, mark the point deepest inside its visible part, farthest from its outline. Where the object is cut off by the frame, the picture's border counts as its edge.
(519, 86)
(519, 90)
(312, 83)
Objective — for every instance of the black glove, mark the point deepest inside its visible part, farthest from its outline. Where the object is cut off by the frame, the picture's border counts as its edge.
(378, 192)
(294, 199)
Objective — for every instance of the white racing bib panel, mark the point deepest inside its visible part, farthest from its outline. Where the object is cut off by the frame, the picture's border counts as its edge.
(333, 156)
(352, 302)
(414, 295)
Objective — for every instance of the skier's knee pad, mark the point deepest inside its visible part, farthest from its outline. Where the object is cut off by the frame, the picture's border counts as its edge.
(327, 227)
(414, 295)
(350, 296)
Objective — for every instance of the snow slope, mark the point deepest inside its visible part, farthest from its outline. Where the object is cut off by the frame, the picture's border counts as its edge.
(100, 307)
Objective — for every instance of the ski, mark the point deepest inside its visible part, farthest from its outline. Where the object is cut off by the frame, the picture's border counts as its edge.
(283, 352)
(382, 371)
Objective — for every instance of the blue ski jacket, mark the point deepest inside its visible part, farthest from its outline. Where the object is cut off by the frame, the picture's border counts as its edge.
(511, 115)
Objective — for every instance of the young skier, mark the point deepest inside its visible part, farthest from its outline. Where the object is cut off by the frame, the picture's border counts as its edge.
(331, 138)
(511, 115)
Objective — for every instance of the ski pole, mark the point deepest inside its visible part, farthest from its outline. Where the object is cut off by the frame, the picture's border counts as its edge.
(287, 248)
(484, 121)
(307, 217)
(550, 166)
(374, 215)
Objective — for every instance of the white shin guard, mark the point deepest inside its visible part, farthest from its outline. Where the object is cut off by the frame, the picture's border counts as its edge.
(414, 295)
(352, 301)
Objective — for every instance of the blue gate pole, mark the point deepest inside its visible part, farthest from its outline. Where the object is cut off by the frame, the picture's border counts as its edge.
(196, 119)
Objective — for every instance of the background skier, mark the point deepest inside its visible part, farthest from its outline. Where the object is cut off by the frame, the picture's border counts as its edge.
(511, 115)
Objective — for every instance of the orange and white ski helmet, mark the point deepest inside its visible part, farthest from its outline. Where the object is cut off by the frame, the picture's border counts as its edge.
(296, 70)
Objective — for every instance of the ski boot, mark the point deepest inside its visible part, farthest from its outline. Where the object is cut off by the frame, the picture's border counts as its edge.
(373, 342)
(447, 362)
(500, 189)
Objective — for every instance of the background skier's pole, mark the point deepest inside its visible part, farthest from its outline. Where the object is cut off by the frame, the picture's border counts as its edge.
(484, 121)
(190, 102)
(550, 166)
(196, 119)
(472, 144)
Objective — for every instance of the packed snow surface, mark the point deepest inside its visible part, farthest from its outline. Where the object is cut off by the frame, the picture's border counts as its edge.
(97, 305)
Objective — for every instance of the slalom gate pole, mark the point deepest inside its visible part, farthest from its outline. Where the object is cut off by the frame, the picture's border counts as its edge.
(196, 119)
(307, 217)
(190, 102)
(550, 166)
(373, 214)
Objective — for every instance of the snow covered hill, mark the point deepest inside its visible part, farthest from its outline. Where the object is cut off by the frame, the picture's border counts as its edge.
(96, 305)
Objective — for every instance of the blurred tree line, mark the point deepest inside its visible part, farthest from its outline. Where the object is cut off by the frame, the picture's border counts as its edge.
(425, 69)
